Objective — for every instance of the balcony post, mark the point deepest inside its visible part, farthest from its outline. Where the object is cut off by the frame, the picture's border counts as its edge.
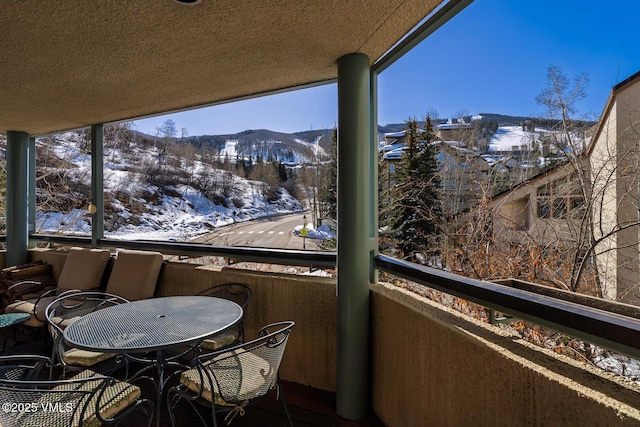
(17, 197)
(97, 184)
(354, 128)
(31, 190)
(373, 179)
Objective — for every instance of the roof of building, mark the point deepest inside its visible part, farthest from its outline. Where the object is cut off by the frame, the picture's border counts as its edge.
(453, 126)
(624, 84)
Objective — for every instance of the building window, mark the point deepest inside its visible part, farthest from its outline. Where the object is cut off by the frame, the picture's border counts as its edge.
(560, 198)
(544, 209)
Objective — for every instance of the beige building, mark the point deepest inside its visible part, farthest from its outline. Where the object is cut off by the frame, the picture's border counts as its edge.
(538, 208)
(614, 162)
(550, 207)
(457, 130)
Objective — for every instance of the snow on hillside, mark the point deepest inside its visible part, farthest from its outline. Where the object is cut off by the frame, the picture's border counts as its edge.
(179, 214)
(508, 137)
(315, 147)
(292, 151)
(229, 149)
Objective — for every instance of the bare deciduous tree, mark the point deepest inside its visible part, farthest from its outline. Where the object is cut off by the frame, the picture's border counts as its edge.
(578, 226)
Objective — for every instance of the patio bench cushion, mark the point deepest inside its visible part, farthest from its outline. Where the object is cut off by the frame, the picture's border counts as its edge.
(37, 311)
(232, 368)
(221, 340)
(83, 269)
(135, 274)
(86, 358)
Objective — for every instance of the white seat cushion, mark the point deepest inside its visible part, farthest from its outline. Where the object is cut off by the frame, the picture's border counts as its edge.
(28, 306)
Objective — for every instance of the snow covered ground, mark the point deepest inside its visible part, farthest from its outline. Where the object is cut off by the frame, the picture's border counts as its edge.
(229, 149)
(513, 138)
(320, 233)
(180, 215)
(508, 137)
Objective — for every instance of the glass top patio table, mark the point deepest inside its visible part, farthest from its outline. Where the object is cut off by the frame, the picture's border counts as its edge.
(152, 324)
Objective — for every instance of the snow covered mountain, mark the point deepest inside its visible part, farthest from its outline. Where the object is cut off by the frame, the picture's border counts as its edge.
(151, 192)
(296, 148)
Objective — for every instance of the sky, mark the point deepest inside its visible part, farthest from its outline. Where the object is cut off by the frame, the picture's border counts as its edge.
(490, 58)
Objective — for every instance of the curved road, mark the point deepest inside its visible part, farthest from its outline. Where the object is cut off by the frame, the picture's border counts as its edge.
(274, 232)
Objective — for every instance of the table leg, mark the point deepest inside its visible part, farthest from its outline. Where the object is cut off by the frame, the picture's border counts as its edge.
(161, 363)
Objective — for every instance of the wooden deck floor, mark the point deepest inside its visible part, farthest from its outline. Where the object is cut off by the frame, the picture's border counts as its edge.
(307, 406)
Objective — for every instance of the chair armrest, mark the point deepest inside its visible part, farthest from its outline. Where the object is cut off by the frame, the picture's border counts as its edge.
(47, 294)
(26, 287)
(29, 366)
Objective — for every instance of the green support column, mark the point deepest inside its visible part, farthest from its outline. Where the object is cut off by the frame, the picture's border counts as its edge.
(17, 199)
(354, 140)
(97, 184)
(373, 180)
(31, 189)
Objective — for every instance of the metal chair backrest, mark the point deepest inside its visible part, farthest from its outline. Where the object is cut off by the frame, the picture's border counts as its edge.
(71, 306)
(22, 367)
(51, 403)
(237, 292)
(86, 399)
(247, 371)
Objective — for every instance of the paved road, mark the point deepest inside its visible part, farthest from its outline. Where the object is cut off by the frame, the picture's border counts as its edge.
(273, 232)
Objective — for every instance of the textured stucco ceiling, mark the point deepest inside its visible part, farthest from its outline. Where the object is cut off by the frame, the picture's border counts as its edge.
(72, 63)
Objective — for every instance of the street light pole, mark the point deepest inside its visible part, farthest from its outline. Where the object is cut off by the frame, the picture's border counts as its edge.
(304, 232)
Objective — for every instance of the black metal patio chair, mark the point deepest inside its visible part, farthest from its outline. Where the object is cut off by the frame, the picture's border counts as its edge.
(87, 399)
(228, 380)
(240, 294)
(64, 311)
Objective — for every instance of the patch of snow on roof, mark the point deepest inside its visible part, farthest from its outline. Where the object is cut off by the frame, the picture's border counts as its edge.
(394, 134)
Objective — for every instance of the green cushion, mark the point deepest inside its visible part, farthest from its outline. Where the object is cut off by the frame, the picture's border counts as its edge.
(8, 319)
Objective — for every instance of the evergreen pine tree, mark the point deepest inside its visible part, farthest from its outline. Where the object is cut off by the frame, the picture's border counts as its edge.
(416, 212)
(248, 167)
(328, 191)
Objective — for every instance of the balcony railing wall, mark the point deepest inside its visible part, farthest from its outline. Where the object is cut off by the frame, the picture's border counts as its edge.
(429, 365)
(435, 366)
(310, 301)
